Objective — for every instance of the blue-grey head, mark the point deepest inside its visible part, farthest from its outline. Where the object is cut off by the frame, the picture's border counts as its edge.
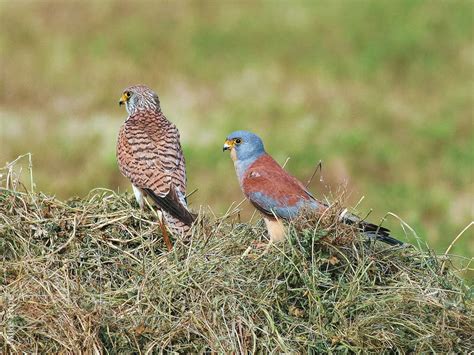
(244, 146)
(139, 97)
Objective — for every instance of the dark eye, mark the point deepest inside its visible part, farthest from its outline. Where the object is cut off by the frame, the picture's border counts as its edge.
(238, 141)
(127, 94)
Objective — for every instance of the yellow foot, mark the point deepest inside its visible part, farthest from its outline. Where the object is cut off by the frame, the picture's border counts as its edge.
(260, 245)
(257, 245)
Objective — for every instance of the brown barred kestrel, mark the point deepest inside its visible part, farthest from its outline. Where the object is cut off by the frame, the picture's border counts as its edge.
(149, 154)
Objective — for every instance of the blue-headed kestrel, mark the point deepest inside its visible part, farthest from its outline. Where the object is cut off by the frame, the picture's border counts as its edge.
(278, 195)
(149, 154)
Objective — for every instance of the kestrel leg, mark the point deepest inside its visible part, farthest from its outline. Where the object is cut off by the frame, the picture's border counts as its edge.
(166, 237)
(276, 232)
(276, 229)
(139, 196)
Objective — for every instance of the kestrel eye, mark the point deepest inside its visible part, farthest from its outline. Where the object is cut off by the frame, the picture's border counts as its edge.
(238, 141)
(127, 94)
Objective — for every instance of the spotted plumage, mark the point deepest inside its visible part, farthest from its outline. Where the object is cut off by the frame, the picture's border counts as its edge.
(149, 154)
(275, 193)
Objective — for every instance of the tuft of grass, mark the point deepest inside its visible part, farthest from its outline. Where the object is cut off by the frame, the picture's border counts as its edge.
(93, 275)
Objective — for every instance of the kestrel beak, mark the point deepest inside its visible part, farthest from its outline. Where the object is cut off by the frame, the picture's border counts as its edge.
(228, 145)
(123, 100)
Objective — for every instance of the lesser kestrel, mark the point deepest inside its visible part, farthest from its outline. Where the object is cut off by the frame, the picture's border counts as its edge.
(149, 154)
(278, 195)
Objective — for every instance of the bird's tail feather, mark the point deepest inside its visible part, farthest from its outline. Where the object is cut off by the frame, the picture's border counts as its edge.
(172, 205)
(372, 231)
(383, 237)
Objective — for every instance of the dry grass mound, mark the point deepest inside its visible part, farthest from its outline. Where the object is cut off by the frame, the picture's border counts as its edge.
(93, 274)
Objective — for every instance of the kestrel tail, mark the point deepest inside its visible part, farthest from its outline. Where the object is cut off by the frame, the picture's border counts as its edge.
(278, 195)
(149, 154)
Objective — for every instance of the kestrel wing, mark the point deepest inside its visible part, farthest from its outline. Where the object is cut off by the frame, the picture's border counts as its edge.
(275, 193)
(155, 158)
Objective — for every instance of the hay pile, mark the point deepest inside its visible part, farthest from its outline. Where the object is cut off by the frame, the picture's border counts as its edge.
(93, 274)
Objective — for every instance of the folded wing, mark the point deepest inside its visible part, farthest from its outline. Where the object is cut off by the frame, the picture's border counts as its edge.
(150, 155)
(274, 192)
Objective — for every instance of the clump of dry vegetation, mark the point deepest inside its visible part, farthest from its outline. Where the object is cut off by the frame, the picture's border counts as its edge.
(93, 274)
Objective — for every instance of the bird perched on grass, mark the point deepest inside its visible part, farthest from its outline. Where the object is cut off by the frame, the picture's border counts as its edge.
(149, 154)
(278, 195)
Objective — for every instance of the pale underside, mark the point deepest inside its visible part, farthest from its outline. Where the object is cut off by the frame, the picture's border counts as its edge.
(276, 229)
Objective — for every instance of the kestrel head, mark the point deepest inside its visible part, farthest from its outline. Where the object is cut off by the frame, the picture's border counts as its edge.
(244, 145)
(139, 97)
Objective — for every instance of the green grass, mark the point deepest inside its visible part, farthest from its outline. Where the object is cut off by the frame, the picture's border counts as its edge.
(381, 91)
(93, 275)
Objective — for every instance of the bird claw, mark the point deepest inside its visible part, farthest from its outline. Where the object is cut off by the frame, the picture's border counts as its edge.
(256, 245)
(260, 245)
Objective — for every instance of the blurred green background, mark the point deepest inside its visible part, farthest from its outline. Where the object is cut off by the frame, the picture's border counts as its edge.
(380, 91)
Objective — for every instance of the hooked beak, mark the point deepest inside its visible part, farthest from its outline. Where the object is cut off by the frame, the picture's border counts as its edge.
(123, 100)
(228, 145)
